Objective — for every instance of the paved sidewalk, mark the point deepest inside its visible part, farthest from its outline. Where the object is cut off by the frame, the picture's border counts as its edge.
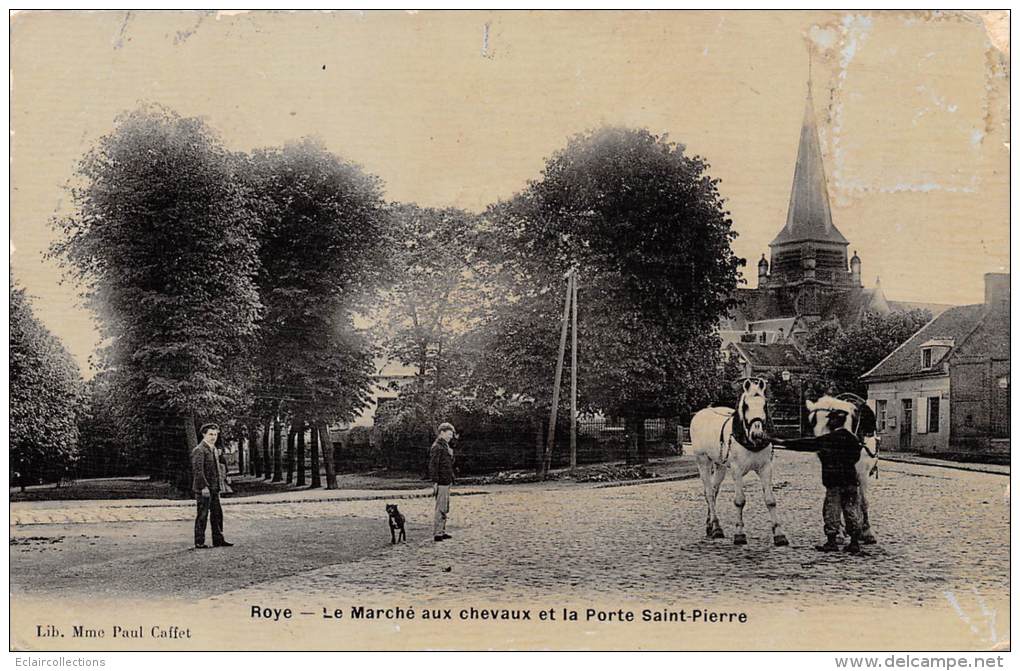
(906, 458)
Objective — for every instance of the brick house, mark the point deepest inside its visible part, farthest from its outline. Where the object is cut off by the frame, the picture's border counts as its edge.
(947, 388)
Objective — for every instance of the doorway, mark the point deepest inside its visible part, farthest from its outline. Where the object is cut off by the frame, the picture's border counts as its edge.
(907, 425)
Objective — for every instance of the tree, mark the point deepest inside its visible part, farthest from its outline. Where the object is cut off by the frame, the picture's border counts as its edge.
(428, 311)
(322, 253)
(162, 240)
(45, 398)
(645, 226)
(106, 436)
(840, 357)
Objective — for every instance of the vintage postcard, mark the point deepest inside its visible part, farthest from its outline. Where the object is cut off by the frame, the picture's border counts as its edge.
(510, 330)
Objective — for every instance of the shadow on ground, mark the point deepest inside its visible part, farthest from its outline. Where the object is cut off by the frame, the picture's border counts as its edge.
(157, 558)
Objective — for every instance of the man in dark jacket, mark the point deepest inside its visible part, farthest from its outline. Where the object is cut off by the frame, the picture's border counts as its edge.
(838, 451)
(205, 472)
(441, 473)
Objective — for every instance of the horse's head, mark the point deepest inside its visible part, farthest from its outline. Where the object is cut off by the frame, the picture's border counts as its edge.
(828, 414)
(752, 410)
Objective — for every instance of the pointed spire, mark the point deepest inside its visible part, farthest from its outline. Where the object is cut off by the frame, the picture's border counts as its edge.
(808, 216)
(809, 71)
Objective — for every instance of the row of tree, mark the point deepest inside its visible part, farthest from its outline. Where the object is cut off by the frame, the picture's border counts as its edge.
(225, 284)
(259, 290)
(46, 395)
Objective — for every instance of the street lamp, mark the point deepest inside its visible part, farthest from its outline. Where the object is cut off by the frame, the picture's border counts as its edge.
(787, 377)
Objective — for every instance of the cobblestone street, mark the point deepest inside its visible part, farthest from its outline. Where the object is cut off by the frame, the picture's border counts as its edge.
(938, 530)
(943, 542)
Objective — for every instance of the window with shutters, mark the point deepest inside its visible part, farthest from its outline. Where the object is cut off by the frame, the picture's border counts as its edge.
(881, 414)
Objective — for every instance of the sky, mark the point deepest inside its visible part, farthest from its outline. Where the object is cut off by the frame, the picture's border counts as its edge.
(462, 109)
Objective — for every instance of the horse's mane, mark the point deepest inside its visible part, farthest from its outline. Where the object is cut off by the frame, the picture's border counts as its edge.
(832, 403)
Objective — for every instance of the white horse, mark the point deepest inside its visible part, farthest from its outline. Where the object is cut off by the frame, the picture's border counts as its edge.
(860, 421)
(724, 438)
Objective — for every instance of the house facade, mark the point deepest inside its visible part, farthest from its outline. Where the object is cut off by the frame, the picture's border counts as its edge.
(947, 388)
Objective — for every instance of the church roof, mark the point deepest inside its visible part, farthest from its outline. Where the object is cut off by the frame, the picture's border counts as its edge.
(808, 217)
(849, 306)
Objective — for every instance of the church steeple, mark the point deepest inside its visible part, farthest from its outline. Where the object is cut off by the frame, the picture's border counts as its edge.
(808, 217)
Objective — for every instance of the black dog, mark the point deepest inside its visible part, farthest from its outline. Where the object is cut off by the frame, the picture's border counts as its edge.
(396, 522)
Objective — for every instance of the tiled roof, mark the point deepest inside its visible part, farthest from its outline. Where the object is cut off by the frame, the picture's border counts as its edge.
(905, 306)
(990, 338)
(905, 361)
(775, 355)
(784, 323)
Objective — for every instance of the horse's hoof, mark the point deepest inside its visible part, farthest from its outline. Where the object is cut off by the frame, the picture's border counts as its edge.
(869, 540)
(780, 540)
(739, 539)
(718, 533)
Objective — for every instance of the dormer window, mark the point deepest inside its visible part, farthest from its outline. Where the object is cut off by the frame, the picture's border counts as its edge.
(935, 350)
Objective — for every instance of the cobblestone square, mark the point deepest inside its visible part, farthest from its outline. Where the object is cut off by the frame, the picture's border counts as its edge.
(943, 548)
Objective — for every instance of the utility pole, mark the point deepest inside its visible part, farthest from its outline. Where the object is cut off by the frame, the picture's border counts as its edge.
(573, 371)
(547, 456)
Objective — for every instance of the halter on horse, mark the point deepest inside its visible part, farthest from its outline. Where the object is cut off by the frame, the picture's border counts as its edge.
(736, 440)
(750, 432)
(862, 418)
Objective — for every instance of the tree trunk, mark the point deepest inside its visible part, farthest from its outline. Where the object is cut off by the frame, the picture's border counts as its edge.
(267, 457)
(182, 466)
(642, 442)
(301, 453)
(327, 455)
(240, 453)
(254, 458)
(291, 436)
(314, 447)
(277, 451)
(539, 443)
(632, 440)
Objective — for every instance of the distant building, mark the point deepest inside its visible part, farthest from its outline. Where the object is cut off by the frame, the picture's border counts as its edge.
(759, 360)
(810, 278)
(947, 387)
(390, 378)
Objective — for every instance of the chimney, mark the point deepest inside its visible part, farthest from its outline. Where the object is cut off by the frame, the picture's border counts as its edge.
(997, 290)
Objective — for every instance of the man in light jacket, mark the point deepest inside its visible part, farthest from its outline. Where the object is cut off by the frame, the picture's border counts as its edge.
(441, 473)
